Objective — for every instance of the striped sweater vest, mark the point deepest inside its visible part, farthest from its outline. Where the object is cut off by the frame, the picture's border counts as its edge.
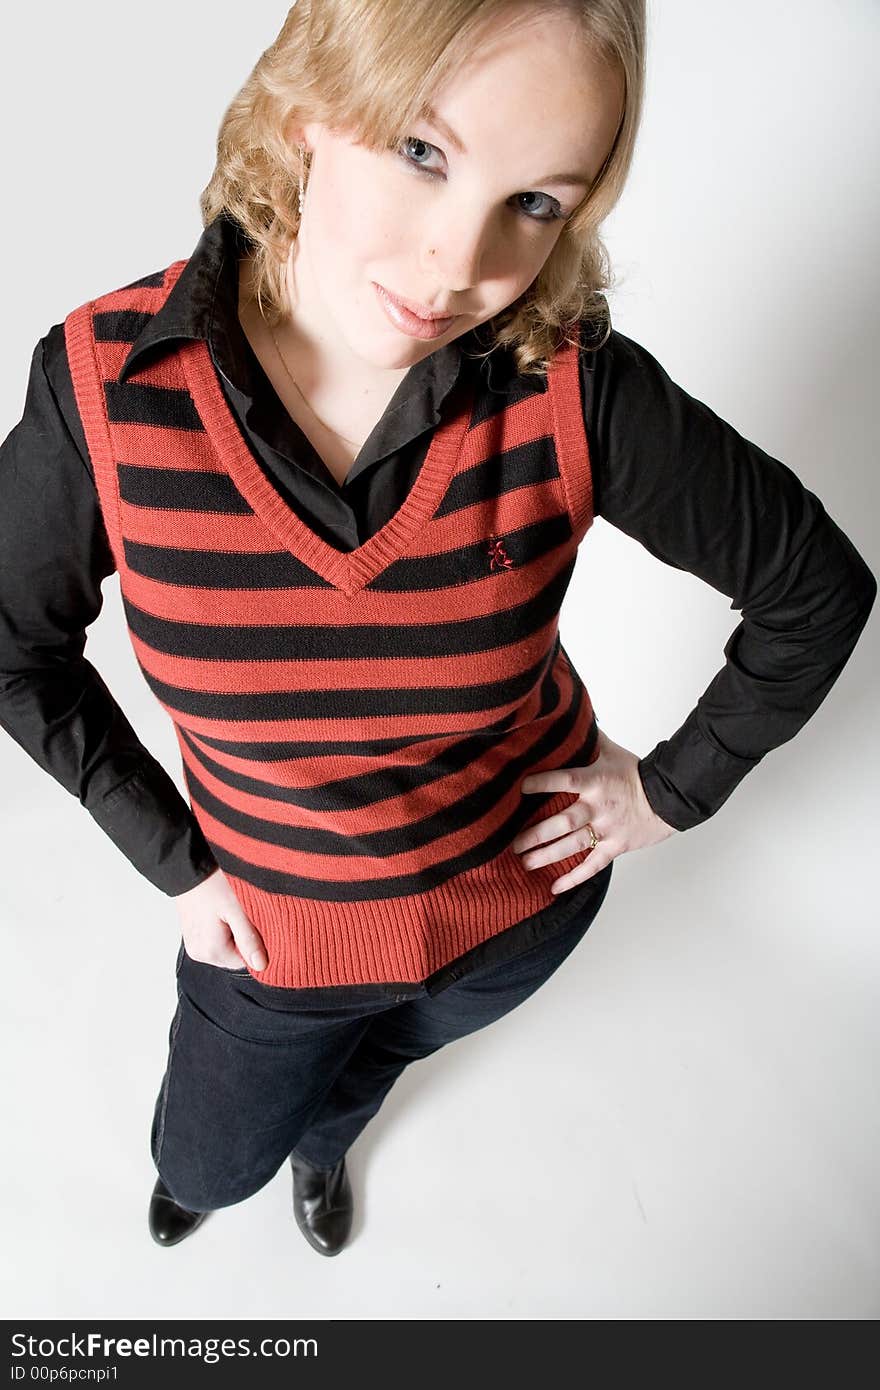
(353, 726)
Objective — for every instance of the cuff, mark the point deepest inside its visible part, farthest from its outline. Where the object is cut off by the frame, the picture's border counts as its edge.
(687, 778)
(148, 820)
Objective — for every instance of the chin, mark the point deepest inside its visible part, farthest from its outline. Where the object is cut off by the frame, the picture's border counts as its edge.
(384, 352)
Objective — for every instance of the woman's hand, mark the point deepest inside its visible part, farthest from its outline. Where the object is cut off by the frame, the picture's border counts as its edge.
(611, 798)
(214, 926)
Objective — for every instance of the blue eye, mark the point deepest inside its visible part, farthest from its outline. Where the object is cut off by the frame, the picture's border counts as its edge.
(552, 206)
(414, 162)
(412, 140)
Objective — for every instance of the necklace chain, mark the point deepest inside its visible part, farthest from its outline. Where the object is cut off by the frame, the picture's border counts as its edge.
(352, 442)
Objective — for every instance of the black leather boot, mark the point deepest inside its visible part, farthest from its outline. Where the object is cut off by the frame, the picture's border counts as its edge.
(322, 1204)
(170, 1223)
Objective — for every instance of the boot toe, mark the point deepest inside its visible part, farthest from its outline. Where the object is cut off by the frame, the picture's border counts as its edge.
(322, 1205)
(169, 1222)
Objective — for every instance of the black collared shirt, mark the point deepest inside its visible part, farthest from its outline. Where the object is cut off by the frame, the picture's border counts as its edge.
(666, 470)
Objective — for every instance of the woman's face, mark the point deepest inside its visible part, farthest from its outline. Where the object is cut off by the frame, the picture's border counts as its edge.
(460, 232)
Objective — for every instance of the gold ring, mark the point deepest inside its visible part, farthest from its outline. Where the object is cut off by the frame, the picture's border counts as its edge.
(594, 838)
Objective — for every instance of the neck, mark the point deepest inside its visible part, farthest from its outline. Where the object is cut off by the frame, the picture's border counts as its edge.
(321, 365)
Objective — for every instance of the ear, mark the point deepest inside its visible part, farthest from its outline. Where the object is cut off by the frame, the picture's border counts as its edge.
(298, 133)
(292, 131)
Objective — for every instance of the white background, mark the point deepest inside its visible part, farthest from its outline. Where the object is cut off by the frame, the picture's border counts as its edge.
(683, 1122)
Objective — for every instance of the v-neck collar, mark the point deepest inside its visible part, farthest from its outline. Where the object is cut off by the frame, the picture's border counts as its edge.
(348, 571)
(203, 305)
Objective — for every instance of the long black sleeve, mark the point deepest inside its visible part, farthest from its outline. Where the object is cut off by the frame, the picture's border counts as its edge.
(697, 495)
(54, 555)
(666, 470)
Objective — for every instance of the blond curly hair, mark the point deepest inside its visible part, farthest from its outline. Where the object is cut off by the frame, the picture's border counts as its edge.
(370, 67)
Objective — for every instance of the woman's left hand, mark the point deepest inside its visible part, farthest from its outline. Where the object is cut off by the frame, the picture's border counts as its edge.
(611, 798)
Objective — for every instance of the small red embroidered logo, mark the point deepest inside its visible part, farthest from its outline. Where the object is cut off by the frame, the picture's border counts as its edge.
(498, 558)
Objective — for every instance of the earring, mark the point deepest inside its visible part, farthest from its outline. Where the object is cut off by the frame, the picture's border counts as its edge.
(302, 187)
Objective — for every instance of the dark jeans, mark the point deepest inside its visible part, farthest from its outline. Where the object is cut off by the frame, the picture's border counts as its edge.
(256, 1071)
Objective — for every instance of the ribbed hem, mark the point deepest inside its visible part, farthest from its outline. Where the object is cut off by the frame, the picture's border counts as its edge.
(313, 942)
(570, 435)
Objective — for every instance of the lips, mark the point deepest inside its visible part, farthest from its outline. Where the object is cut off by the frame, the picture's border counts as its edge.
(421, 311)
(420, 322)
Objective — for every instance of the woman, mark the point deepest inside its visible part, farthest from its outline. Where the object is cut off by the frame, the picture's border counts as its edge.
(342, 459)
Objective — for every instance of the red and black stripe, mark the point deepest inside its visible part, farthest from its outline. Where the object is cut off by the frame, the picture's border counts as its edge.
(353, 726)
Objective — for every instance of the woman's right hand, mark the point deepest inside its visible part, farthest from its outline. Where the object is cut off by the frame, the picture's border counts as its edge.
(214, 926)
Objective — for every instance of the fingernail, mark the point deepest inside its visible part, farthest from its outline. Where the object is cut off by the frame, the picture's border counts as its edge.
(259, 960)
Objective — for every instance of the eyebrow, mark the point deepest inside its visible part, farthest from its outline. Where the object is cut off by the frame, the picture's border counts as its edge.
(436, 120)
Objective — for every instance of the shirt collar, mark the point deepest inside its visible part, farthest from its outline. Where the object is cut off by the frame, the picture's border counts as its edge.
(189, 307)
(203, 305)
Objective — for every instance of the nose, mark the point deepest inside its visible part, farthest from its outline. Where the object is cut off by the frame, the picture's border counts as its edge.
(453, 252)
